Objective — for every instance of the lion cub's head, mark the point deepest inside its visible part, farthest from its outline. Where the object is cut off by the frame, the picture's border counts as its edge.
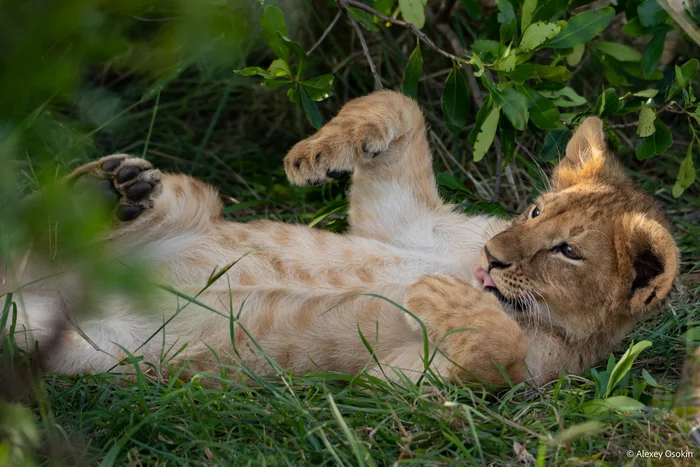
(586, 261)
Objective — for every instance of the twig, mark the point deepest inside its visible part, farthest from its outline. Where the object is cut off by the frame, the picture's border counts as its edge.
(441, 24)
(623, 125)
(326, 32)
(416, 32)
(372, 67)
(479, 186)
(456, 45)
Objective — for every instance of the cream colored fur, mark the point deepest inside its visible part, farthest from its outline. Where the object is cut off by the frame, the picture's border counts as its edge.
(304, 295)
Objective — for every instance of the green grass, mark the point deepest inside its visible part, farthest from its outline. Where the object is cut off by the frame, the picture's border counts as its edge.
(330, 418)
(227, 131)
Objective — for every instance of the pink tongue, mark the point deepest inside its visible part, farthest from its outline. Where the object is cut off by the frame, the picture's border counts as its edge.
(482, 276)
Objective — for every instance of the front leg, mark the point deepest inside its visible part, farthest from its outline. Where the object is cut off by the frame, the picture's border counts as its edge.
(470, 329)
(381, 139)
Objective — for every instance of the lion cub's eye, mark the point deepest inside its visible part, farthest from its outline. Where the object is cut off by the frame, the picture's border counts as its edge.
(567, 250)
(535, 212)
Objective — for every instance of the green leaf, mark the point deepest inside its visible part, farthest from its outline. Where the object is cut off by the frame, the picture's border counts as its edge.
(487, 49)
(272, 23)
(486, 133)
(634, 28)
(634, 70)
(649, 379)
(296, 50)
(655, 144)
(507, 142)
(554, 73)
(686, 174)
(549, 10)
(413, 11)
(651, 13)
(608, 103)
(448, 180)
(279, 68)
(600, 407)
(526, 71)
(293, 94)
(645, 125)
(411, 75)
(252, 71)
(652, 54)
(583, 27)
(526, 15)
(542, 112)
(574, 58)
(513, 104)
(385, 7)
(339, 205)
(313, 115)
(648, 93)
(273, 83)
(537, 34)
(319, 88)
(684, 76)
(621, 52)
(565, 97)
(555, 145)
(472, 7)
(476, 61)
(625, 364)
(364, 19)
(455, 100)
(506, 17)
(522, 73)
(484, 112)
(506, 63)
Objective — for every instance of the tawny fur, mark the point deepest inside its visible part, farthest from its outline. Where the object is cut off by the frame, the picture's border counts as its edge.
(312, 300)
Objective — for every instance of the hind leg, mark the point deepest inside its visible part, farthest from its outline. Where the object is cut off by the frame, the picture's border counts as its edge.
(158, 219)
(151, 206)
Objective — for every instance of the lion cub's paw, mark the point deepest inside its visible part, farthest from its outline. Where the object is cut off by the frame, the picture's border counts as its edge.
(470, 328)
(131, 182)
(337, 148)
(442, 301)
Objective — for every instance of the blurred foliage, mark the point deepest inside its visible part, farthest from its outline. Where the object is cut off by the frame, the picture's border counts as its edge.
(56, 54)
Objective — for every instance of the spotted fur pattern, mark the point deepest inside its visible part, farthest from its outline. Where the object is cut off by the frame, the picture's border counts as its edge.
(312, 300)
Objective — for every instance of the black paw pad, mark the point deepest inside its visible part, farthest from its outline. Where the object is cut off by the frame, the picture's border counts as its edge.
(138, 191)
(336, 173)
(112, 164)
(127, 173)
(314, 182)
(128, 212)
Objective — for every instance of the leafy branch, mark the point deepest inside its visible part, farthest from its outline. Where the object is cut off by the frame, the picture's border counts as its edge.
(523, 89)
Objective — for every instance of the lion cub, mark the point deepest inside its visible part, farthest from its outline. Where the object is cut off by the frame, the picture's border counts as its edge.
(548, 291)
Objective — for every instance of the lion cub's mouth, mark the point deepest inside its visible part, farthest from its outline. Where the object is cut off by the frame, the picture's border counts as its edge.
(481, 275)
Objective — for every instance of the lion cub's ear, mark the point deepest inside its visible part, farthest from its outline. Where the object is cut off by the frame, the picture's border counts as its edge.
(647, 259)
(587, 159)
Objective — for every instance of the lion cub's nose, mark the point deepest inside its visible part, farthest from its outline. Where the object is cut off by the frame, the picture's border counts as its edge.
(494, 263)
